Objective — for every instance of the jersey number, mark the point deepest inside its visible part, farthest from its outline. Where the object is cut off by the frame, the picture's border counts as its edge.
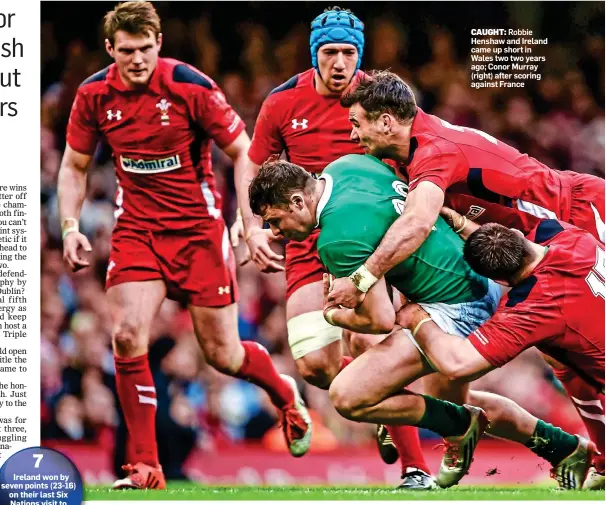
(402, 189)
(596, 279)
(490, 138)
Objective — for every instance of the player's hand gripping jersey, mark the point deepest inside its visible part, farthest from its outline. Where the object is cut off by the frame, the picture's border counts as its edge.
(160, 137)
(312, 130)
(470, 161)
(361, 200)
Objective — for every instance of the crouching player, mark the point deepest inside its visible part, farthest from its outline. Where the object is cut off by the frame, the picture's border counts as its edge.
(354, 202)
(556, 304)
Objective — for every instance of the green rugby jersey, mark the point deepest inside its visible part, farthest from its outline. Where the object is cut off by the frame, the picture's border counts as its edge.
(361, 200)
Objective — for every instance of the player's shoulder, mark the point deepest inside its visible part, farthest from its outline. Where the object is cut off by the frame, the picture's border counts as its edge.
(96, 81)
(291, 86)
(180, 73)
(430, 136)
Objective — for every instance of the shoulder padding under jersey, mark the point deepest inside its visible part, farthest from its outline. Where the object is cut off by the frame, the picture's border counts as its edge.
(99, 76)
(290, 84)
(182, 73)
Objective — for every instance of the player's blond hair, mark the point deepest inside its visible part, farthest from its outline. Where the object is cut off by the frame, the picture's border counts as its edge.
(136, 18)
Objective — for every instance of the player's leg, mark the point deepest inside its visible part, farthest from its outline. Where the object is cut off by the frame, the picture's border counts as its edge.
(133, 306)
(316, 345)
(217, 331)
(590, 406)
(507, 419)
(209, 281)
(370, 389)
(135, 292)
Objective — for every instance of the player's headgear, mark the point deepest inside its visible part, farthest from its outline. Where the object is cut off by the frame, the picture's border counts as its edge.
(336, 26)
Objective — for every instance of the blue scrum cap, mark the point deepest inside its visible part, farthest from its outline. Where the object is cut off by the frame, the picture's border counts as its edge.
(336, 27)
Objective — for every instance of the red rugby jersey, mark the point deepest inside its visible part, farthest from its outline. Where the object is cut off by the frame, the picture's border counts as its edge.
(559, 308)
(470, 161)
(160, 137)
(313, 130)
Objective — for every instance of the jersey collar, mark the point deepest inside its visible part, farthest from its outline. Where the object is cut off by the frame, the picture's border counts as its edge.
(325, 196)
(114, 80)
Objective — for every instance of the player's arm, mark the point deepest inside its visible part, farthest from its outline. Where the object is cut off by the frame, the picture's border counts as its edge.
(401, 240)
(71, 191)
(481, 212)
(257, 239)
(375, 315)
(460, 224)
(267, 142)
(450, 355)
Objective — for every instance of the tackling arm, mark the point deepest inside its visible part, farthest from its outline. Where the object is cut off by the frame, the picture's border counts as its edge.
(450, 355)
(409, 231)
(401, 240)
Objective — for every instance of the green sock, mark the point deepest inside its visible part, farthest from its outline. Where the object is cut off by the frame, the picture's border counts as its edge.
(551, 443)
(444, 418)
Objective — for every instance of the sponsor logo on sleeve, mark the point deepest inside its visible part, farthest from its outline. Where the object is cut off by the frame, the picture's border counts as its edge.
(475, 211)
(150, 166)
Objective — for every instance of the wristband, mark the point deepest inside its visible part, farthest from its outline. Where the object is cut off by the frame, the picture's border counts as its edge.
(418, 326)
(74, 226)
(328, 316)
(67, 231)
(363, 279)
(463, 226)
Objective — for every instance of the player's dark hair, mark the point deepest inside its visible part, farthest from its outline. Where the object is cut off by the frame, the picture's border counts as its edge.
(276, 181)
(382, 92)
(496, 252)
(136, 18)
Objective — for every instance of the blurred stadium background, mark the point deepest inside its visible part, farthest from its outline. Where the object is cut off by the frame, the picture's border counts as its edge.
(217, 429)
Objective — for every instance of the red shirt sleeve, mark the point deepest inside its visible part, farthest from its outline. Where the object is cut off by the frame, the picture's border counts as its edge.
(82, 132)
(482, 212)
(267, 139)
(217, 117)
(513, 329)
(438, 162)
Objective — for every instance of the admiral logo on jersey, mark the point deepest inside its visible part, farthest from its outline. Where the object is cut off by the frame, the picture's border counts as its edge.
(150, 166)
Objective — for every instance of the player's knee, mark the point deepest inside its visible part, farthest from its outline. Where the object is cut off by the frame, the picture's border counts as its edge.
(345, 401)
(308, 335)
(128, 340)
(317, 369)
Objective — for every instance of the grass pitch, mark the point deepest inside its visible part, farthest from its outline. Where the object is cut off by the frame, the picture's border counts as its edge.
(193, 492)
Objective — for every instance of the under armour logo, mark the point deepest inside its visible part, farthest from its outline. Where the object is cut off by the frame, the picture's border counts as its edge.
(296, 124)
(117, 115)
(224, 290)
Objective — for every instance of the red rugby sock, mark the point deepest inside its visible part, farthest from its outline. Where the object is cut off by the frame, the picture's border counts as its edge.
(137, 395)
(589, 405)
(406, 440)
(259, 369)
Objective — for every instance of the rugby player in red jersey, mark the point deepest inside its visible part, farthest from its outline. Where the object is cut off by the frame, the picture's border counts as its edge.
(304, 119)
(438, 157)
(159, 116)
(556, 304)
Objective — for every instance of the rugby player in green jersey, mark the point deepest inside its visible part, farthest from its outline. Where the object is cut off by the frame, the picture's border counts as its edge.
(354, 202)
